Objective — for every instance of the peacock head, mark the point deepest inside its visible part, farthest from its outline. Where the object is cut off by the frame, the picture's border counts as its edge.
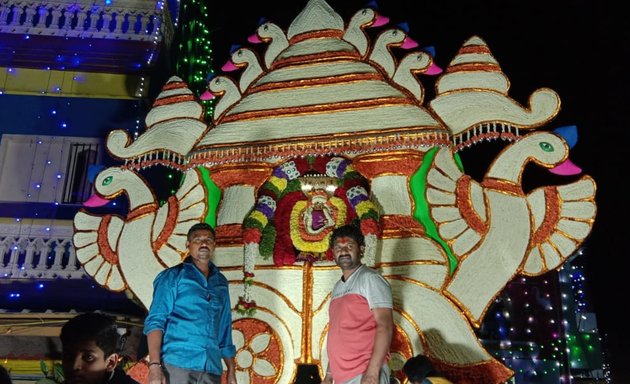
(108, 185)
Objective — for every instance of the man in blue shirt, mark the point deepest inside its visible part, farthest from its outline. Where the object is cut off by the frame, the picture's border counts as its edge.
(189, 325)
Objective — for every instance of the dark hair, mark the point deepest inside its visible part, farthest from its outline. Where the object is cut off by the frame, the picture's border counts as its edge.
(348, 230)
(5, 378)
(96, 327)
(418, 368)
(200, 227)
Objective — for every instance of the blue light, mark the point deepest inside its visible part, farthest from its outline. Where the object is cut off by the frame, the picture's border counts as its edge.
(108, 2)
(40, 285)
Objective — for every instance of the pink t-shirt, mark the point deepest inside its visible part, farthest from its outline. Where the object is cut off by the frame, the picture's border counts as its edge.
(352, 325)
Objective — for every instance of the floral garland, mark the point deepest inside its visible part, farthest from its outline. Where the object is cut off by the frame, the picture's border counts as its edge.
(314, 243)
(260, 233)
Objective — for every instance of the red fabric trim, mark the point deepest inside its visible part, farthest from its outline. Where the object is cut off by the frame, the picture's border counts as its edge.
(462, 193)
(169, 225)
(249, 152)
(485, 67)
(230, 234)
(139, 372)
(503, 186)
(490, 372)
(474, 49)
(174, 85)
(397, 226)
(333, 33)
(312, 109)
(103, 241)
(391, 163)
(249, 174)
(317, 81)
(318, 57)
(552, 215)
(141, 211)
(173, 100)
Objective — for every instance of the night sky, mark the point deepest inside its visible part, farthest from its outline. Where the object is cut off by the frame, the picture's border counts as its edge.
(577, 48)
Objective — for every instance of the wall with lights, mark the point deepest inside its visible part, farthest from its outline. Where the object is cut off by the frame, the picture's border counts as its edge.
(67, 116)
(38, 134)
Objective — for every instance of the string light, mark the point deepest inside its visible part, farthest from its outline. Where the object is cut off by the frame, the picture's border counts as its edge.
(194, 49)
(545, 336)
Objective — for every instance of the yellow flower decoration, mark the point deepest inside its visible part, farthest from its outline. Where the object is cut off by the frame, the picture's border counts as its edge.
(260, 217)
(279, 183)
(364, 207)
(314, 242)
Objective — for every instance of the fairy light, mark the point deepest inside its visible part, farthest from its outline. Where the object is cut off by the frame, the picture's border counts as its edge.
(196, 64)
(194, 50)
(47, 171)
(541, 338)
(137, 126)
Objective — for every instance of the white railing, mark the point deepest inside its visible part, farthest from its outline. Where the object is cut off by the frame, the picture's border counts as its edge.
(129, 20)
(27, 253)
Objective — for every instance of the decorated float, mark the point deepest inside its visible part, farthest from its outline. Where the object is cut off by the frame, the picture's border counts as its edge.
(330, 127)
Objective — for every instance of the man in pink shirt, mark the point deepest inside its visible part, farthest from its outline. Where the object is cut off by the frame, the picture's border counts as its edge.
(361, 321)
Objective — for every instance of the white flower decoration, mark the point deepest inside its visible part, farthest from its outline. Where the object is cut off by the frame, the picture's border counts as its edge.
(333, 166)
(248, 359)
(290, 169)
(268, 201)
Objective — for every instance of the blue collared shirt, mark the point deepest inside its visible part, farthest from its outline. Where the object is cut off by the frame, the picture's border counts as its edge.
(194, 314)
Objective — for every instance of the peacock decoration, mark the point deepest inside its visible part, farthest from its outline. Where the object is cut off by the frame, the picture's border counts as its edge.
(328, 127)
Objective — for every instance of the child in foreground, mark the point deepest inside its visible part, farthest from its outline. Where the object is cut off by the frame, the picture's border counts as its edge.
(420, 370)
(90, 351)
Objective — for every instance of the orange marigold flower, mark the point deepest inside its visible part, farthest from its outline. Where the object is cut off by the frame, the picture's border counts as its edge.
(369, 226)
(251, 235)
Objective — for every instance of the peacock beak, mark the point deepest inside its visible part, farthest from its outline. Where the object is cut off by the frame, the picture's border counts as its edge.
(95, 201)
(566, 168)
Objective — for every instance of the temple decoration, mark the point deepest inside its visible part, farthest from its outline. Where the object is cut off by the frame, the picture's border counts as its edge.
(331, 128)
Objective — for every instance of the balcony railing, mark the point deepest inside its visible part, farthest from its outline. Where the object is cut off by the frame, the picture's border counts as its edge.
(136, 20)
(37, 251)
